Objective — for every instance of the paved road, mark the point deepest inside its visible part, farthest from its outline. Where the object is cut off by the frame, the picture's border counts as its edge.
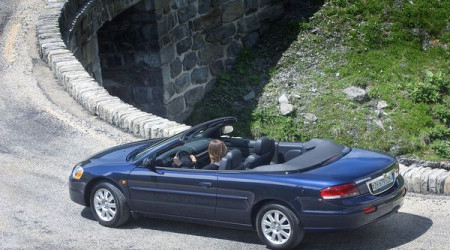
(44, 133)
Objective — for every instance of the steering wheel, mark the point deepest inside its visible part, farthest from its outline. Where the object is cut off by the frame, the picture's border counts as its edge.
(185, 159)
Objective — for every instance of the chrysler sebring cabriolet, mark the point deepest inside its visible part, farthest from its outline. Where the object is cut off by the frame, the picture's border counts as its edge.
(280, 189)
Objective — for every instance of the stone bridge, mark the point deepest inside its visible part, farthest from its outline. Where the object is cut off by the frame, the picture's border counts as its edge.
(160, 56)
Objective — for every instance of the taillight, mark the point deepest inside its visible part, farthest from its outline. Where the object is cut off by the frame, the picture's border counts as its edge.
(397, 170)
(340, 191)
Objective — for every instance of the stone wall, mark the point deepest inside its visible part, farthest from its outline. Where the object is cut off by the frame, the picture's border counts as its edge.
(71, 74)
(196, 41)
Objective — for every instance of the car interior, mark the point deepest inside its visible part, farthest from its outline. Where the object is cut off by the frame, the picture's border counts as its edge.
(242, 154)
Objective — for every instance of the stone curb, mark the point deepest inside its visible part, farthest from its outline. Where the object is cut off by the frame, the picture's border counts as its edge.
(418, 162)
(83, 88)
(425, 180)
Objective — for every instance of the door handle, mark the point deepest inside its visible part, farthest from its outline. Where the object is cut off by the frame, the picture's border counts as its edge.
(205, 184)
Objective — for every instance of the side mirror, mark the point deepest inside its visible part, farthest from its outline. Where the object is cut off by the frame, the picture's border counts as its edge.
(227, 129)
(149, 163)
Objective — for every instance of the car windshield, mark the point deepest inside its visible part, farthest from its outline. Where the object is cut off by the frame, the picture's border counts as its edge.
(146, 150)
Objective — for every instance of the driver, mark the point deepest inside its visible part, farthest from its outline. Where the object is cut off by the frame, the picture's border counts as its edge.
(182, 160)
(217, 150)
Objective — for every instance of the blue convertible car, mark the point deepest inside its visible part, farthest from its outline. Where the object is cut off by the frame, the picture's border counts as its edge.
(279, 189)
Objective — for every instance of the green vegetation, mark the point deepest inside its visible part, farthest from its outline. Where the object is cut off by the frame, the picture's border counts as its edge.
(398, 51)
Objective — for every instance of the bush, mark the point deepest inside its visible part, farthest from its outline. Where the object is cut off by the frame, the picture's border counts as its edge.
(442, 113)
(431, 90)
(424, 92)
(439, 132)
(441, 148)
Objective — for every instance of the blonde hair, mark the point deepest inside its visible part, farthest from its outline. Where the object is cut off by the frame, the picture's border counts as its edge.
(216, 150)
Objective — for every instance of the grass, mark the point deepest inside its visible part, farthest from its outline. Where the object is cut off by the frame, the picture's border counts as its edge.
(398, 51)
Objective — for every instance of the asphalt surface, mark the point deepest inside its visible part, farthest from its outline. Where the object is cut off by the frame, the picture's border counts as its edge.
(44, 133)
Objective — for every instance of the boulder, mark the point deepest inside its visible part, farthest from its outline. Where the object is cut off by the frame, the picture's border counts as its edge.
(356, 94)
(286, 108)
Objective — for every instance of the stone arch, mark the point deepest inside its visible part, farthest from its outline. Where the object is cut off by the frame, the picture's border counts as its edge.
(197, 40)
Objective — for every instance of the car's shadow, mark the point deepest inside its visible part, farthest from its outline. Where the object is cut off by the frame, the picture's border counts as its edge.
(391, 232)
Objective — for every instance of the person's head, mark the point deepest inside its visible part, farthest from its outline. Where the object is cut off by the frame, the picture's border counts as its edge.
(216, 150)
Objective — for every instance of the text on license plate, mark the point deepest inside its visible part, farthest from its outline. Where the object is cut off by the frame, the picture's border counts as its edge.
(382, 181)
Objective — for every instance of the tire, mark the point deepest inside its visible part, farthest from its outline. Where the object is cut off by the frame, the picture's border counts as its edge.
(278, 227)
(108, 205)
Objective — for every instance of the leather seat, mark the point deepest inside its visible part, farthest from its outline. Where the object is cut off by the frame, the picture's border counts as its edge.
(232, 160)
(264, 149)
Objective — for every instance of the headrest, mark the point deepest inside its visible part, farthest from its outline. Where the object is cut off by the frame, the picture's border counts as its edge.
(263, 145)
(231, 160)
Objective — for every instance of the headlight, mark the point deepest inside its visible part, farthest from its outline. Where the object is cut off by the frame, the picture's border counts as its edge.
(77, 172)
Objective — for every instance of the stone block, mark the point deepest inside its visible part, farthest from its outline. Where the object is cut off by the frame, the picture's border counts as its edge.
(249, 24)
(251, 6)
(232, 11)
(198, 41)
(210, 85)
(208, 21)
(180, 32)
(182, 82)
(210, 53)
(146, 5)
(447, 185)
(217, 68)
(146, 59)
(221, 34)
(169, 91)
(415, 182)
(184, 45)
(217, 3)
(200, 75)
(433, 180)
(167, 54)
(175, 68)
(234, 49)
(204, 6)
(178, 4)
(120, 113)
(187, 13)
(189, 61)
(161, 7)
(424, 179)
(193, 96)
(272, 13)
(176, 106)
(141, 95)
(135, 122)
(440, 181)
(408, 177)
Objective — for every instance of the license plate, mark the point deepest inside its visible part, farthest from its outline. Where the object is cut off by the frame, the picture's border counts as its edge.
(381, 183)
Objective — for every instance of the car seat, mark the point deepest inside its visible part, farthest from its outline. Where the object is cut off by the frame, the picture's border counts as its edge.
(232, 160)
(264, 149)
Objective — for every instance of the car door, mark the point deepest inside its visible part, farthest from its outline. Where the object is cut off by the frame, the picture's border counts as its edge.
(174, 191)
(235, 196)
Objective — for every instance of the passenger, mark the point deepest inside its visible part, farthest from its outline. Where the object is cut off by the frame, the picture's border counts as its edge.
(217, 150)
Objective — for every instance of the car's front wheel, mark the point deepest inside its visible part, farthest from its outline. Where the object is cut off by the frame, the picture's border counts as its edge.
(278, 227)
(108, 205)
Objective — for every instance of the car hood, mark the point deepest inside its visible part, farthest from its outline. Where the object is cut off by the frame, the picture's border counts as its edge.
(358, 163)
(119, 154)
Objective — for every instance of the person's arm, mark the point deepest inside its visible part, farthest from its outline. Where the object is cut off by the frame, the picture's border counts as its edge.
(194, 161)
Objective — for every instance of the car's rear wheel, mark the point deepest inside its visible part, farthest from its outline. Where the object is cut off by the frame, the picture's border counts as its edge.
(278, 227)
(108, 205)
